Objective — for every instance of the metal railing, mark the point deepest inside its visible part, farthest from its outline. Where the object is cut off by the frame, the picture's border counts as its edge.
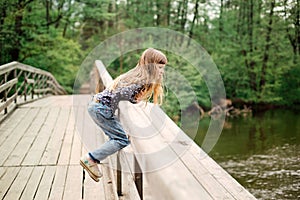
(20, 83)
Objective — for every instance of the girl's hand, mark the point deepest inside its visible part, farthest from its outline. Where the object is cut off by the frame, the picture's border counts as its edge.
(139, 97)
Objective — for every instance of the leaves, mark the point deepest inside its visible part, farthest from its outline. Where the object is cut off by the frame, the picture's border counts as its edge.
(56, 35)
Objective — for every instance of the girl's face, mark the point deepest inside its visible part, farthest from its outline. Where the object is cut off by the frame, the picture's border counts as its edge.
(160, 71)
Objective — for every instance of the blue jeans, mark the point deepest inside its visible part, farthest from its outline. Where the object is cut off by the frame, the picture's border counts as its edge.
(104, 117)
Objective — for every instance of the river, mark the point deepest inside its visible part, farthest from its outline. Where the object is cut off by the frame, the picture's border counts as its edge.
(261, 151)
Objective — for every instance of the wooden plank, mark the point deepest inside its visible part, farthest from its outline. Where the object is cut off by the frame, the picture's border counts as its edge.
(52, 150)
(177, 183)
(44, 188)
(18, 154)
(7, 126)
(107, 179)
(7, 179)
(8, 67)
(35, 152)
(19, 183)
(30, 81)
(45, 90)
(73, 183)
(76, 150)
(207, 180)
(9, 144)
(44, 101)
(33, 183)
(8, 84)
(65, 152)
(231, 185)
(64, 156)
(58, 186)
(76, 143)
(31, 69)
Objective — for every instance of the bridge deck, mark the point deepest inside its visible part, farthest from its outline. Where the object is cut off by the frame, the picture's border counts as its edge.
(40, 152)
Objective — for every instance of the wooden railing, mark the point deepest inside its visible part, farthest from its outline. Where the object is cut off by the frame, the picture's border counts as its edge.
(20, 83)
(192, 175)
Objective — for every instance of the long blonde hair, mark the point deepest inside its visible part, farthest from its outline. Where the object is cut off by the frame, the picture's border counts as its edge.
(146, 74)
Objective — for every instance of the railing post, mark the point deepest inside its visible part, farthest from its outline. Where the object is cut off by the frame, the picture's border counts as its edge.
(5, 93)
(82, 184)
(32, 91)
(138, 178)
(119, 176)
(25, 86)
(16, 85)
(38, 84)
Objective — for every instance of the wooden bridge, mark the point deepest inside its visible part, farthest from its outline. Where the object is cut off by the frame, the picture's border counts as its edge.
(40, 148)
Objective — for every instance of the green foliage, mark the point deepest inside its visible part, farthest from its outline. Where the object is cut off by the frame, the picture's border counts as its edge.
(58, 55)
(255, 44)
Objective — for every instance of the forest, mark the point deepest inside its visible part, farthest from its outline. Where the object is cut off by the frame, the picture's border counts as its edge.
(255, 43)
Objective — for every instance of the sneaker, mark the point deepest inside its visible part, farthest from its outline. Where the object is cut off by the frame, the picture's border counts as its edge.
(91, 167)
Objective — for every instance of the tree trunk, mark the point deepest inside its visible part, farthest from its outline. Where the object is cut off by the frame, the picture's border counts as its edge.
(184, 15)
(251, 62)
(267, 46)
(59, 11)
(297, 29)
(3, 13)
(169, 12)
(294, 39)
(48, 14)
(221, 20)
(250, 26)
(2, 18)
(157, 12)
(194, 21)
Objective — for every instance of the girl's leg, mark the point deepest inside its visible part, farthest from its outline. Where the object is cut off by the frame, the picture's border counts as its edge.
(112, 128)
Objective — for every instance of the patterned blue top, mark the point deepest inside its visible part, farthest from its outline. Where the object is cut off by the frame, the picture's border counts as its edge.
(112, 98)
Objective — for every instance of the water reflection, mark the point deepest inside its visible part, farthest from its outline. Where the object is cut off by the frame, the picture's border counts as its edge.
(261, 152)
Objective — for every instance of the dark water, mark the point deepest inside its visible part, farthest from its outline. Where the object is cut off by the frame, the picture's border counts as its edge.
(261, 151)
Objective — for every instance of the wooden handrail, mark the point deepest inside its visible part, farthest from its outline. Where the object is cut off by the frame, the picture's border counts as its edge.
(24, 83)
(193, 175)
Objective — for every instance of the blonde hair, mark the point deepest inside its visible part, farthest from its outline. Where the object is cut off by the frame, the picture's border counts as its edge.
(146, 74)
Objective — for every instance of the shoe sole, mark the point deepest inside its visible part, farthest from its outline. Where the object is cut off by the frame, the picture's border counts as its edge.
(95, 178)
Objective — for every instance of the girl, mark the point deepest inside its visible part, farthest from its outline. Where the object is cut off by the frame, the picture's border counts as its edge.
(139, 84)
